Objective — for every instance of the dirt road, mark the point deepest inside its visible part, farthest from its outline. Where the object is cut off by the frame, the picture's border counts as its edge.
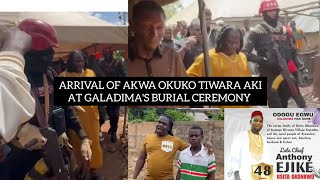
(115, 166)
(307, 94)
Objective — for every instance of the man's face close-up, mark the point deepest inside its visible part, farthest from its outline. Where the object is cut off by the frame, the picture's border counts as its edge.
(167, 33)
(195, 137)
(37, 62)
(256, 123)
(232, 42)
(163, 126)
(293, 25)
(78, 62)
(209, 20)
(179, 25)
(149, 29)
(273, 13)
(184, 29)
(195, 30)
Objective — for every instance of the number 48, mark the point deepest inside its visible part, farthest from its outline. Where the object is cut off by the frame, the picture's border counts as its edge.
(266, 172)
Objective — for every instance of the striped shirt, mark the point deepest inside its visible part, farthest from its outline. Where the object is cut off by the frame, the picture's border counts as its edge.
(196, 167)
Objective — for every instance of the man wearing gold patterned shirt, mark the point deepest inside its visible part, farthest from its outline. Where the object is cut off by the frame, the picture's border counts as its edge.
(248, 148)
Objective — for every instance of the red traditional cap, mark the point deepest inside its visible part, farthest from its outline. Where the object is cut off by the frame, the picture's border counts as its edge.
(256, 113)
(98, 55)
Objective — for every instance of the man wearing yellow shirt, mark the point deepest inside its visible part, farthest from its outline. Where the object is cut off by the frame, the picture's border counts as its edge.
(159, 150)
(226, 60)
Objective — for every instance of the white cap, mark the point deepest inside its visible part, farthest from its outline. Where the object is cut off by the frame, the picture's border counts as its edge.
(219, 23)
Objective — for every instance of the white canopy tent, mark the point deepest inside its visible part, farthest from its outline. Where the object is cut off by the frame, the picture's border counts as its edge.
(75, 30)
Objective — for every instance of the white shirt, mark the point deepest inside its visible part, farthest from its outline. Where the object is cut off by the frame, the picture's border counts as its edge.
(16, 104)
(240, 158)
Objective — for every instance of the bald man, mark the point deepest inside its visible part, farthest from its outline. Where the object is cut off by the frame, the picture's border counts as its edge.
(196, 50)
(183, 30)
(168, 40)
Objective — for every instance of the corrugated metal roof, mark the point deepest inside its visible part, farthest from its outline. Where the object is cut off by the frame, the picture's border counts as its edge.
(229, 8)
(307, 24)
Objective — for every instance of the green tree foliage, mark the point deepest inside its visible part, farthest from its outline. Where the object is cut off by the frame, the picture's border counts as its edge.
(152, 114)
(178, 115)
(219, 116)
(135, 115)
(172, 9)
(118, 54)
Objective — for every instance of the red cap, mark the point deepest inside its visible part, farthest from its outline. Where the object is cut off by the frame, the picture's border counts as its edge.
(98, 55)
(268, 5)
(256, 113)
(43, 34)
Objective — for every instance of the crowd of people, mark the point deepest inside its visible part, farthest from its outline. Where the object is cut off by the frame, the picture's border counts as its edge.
(39, 139)
(176, 50)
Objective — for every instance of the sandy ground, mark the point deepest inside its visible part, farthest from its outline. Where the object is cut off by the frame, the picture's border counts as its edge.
(307, 94)
(115, 164)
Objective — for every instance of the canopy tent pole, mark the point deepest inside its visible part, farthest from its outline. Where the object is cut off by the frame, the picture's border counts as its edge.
(205, 46)
(125, 120)
(299, 6)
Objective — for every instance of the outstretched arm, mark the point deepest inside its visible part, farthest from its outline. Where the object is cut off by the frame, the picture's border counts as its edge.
(139, 164)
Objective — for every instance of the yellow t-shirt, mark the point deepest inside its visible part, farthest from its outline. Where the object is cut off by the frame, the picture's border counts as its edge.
(85, 73)
(222, 66)
(160, 155)
(89, 121)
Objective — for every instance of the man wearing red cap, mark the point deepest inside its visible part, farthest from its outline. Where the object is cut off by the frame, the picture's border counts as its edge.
(248, 148)
(34, 59)
(263, 39)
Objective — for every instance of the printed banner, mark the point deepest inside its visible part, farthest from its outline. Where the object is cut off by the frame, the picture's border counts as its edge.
(272, 144)
(145, 91)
